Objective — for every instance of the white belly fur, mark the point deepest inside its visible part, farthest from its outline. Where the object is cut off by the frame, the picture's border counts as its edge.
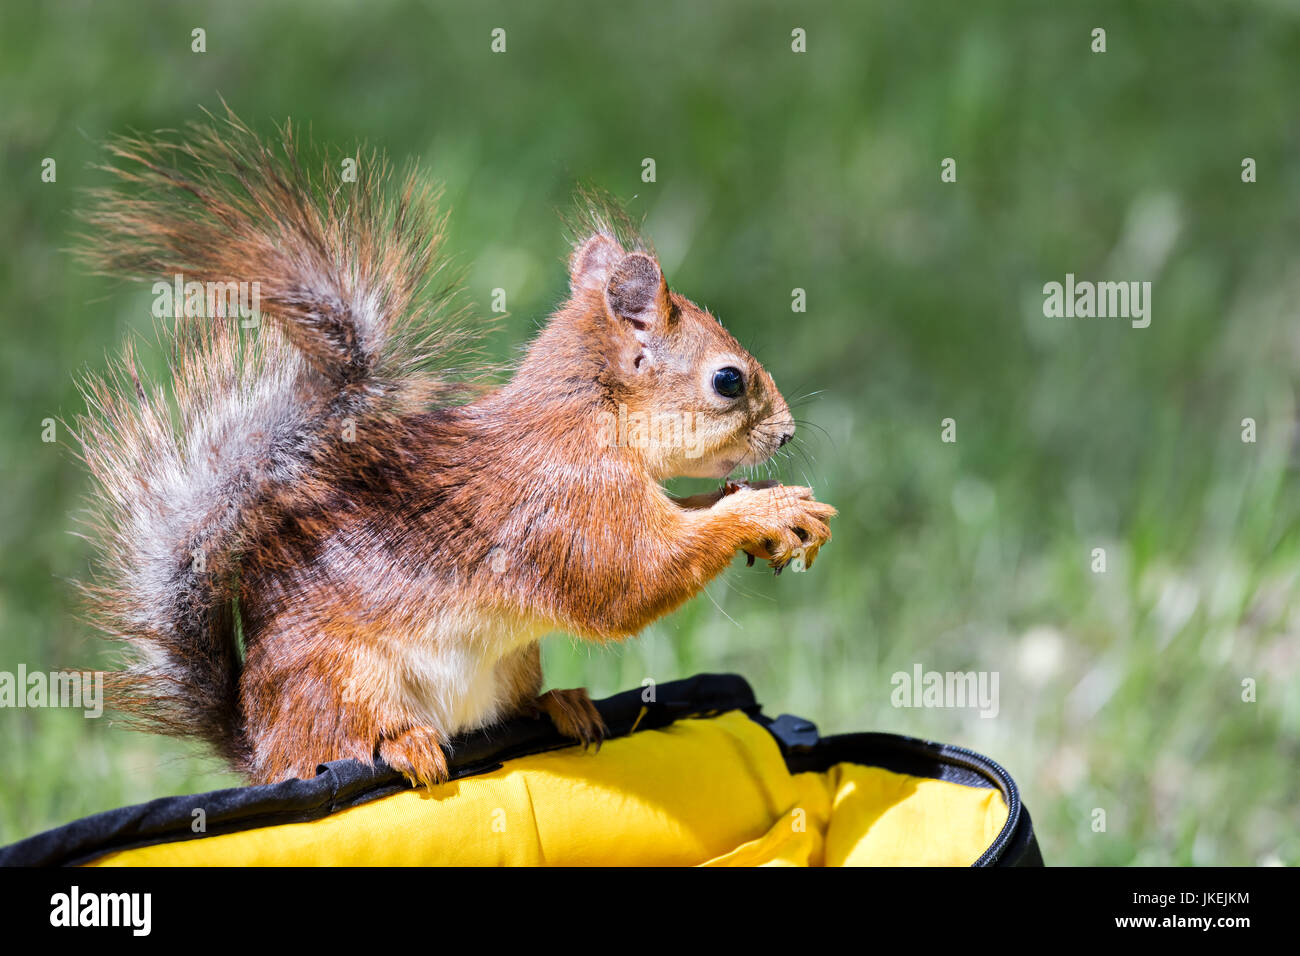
(449, 670)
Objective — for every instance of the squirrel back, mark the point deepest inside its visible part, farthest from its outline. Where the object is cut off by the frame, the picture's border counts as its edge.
(389, 540)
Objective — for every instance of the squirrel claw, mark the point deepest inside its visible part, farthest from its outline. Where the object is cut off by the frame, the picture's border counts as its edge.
(417, 753)
(574, 715)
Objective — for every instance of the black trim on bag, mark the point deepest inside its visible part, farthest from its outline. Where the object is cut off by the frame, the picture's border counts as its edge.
(342, 784)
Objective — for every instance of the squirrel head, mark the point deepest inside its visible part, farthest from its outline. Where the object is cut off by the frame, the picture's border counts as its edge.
(682, 392)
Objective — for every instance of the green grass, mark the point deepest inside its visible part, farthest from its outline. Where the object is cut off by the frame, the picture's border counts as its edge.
(1119, 691)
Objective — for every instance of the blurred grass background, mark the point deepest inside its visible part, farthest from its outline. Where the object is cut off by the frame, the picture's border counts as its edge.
(1119, 691)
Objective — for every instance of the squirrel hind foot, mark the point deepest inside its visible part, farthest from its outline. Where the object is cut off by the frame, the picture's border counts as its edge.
(418, 755)
(574, 715)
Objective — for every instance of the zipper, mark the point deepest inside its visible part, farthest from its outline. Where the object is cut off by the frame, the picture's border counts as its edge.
(1010, 793)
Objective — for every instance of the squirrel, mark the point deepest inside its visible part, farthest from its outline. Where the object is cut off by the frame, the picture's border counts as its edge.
(320, 540)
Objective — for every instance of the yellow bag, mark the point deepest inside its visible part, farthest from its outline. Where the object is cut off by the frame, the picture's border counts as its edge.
(697, 776)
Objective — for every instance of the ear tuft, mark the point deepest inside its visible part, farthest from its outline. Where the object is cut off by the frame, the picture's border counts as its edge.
(637, 292)
(593, 261)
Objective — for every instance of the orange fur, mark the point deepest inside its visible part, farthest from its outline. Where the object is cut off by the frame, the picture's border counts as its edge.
(393, 581)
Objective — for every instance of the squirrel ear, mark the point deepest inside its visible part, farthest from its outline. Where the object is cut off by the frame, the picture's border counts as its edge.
(636, 292)
(592, 262)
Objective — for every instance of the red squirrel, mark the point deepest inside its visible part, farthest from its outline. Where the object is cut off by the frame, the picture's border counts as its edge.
(317, 545)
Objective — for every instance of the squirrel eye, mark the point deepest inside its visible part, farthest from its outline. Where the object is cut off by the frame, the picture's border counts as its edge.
(728, 382)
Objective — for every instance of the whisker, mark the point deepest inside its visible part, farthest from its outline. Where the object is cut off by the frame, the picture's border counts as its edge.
(749, 595)
(804, 398)
(721, 611)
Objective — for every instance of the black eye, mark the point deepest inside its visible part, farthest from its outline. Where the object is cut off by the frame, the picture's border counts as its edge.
(728, 382)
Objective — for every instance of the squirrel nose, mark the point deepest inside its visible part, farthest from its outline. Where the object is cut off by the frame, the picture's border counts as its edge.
(785, 437)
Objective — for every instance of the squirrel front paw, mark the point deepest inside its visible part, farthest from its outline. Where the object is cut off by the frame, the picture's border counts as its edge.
(573, 714)
(783, 524)
(417, 753)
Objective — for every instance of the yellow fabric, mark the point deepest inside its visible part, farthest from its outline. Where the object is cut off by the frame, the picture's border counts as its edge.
(710, 791)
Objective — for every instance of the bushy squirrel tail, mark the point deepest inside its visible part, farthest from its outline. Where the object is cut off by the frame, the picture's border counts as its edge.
(356, 324)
